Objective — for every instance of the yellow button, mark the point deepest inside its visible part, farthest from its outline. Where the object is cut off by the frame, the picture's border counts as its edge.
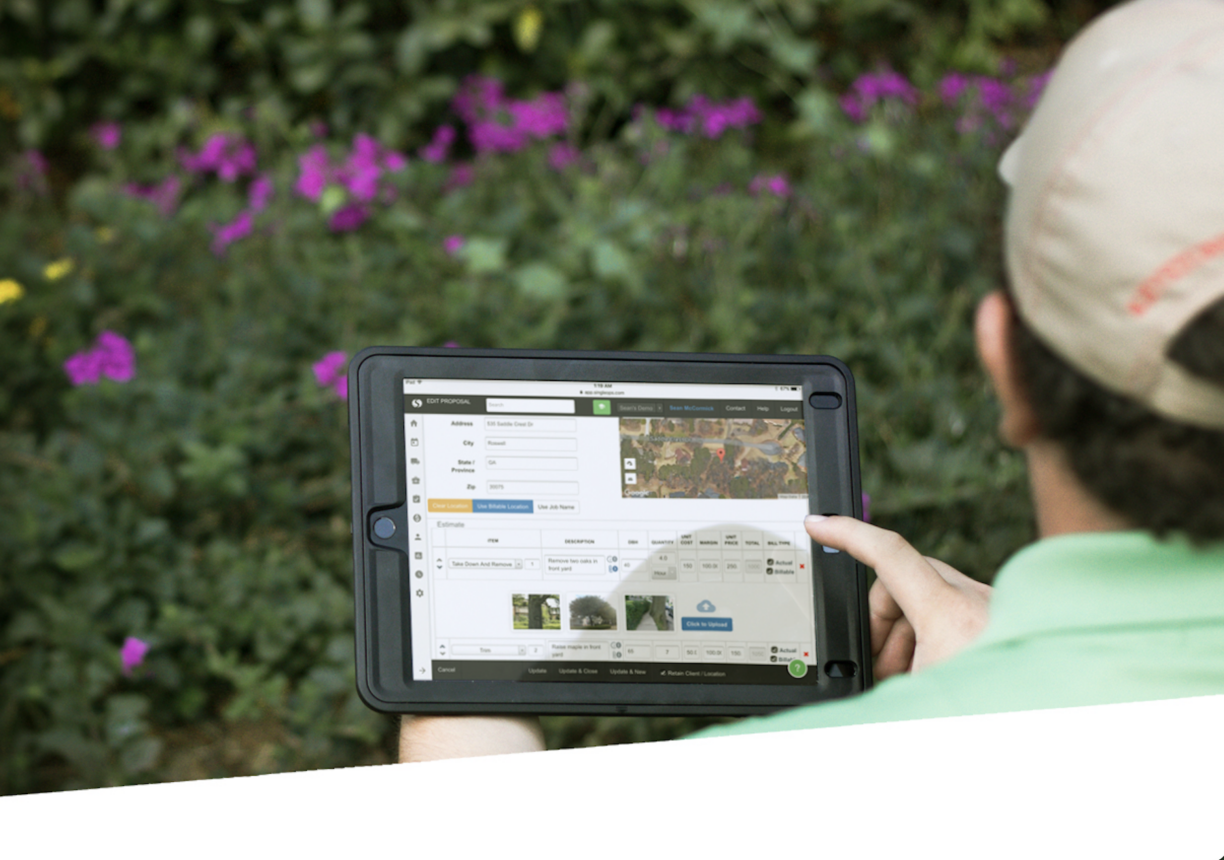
(450, 506)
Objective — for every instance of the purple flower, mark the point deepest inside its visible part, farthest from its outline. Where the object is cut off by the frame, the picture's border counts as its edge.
(330, 372)
(315, 172)
(394, 162)
(163, 195)
(866, 508)
(990, 103)
(498, 124)
(544, 116)
(452, 244)
(674, 120)
(713, 118)
(106, 134)
(132, 653)
(450, 344)
(226, 234)
(439, 146)
(83, 368)
(260, 192)
(996, 97)
(227, 155)
(111, 356)
(884, 86)
(360, 174)
(478, 95)
(562, 155)
(776, 185)
(951, 86)
(116, 358)
(348, 218)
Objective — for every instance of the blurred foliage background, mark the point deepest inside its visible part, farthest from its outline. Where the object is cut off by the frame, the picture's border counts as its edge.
(240, 188)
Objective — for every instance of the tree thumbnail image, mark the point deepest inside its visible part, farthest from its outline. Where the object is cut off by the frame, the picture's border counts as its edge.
(649, 612)
(591, 612)
(537, 611)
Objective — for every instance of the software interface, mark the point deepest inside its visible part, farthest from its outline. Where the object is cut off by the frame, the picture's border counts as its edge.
(636, 532)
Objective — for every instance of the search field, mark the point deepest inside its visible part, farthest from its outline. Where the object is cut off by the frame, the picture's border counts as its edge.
(530, 404)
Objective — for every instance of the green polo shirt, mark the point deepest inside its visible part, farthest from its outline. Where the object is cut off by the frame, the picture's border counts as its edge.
(1084, 619)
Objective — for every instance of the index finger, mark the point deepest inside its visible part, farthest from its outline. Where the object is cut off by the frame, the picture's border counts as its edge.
(910, 578)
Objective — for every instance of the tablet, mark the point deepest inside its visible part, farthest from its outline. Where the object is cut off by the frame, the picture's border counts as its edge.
(602, 533)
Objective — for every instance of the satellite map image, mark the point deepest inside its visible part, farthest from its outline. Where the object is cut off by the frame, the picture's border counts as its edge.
(712, 458)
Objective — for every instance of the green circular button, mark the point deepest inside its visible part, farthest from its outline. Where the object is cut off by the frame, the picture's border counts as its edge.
(797, 668)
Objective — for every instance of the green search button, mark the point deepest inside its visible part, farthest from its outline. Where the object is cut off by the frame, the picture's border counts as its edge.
(602, 407)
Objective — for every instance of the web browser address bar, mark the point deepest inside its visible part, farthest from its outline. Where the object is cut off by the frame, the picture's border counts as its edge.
(530, 404)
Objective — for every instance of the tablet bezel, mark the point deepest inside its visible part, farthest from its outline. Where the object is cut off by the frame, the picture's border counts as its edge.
(383, 628)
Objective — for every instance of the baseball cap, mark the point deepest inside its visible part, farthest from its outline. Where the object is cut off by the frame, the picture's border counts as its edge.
(1115, 220)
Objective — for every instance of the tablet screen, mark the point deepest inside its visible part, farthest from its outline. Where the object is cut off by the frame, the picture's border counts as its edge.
(608, 532)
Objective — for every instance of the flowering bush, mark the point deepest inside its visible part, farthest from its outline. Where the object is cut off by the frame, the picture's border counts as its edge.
(179, 543)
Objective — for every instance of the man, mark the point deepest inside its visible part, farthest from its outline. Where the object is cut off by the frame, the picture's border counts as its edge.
(1107, 357)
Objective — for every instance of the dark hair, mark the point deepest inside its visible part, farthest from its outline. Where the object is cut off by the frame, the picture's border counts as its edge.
(1161, 475)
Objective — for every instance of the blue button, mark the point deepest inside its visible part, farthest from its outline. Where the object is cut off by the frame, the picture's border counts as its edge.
(723, 625)
(502, 506)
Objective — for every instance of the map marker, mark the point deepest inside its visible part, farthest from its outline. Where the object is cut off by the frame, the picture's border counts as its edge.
(720, 452)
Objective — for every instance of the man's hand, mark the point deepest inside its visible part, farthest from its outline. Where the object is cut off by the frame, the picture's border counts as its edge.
(433, 738)
(922, 610)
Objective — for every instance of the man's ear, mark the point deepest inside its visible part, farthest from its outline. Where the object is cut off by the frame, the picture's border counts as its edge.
(1018, 425)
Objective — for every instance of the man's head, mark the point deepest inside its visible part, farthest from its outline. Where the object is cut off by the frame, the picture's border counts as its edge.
(1115, 258)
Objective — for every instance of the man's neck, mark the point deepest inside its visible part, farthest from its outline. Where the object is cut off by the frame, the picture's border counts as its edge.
(1062, 504)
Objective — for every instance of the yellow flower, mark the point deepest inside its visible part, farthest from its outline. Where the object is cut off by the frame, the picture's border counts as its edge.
(527, 29)
(58, 269)
(10, 291)
(104, 234)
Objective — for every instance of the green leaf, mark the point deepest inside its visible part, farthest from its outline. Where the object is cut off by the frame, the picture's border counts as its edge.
(795, 55)
(484, 256)
(818, 112)
(315, 14)
(140, 755)
(77, 556)
(125, 717)
(540, 281)
(611, 262)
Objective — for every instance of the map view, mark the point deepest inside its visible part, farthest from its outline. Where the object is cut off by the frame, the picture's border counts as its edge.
(712, 458)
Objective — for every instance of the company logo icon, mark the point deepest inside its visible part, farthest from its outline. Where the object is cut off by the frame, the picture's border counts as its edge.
(416, 404)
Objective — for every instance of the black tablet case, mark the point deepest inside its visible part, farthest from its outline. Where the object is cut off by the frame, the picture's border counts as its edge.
(381, 570)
